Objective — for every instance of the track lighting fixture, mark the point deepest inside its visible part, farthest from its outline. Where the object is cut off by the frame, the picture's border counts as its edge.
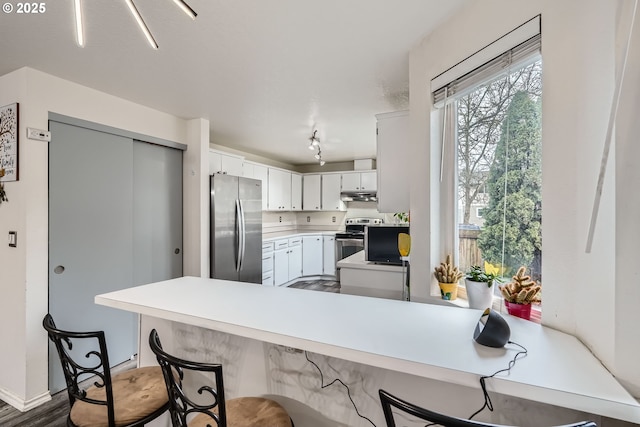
(77, 8)
(186, 8)
(142, 24)
(314, 144)
(79, 24)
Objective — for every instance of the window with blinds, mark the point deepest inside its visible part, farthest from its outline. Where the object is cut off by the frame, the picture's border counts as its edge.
(492, 154)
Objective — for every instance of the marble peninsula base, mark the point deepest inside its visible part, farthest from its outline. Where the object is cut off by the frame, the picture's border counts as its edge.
(256, 368)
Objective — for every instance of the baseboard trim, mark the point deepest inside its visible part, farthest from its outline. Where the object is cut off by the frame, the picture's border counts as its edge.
(21, 404)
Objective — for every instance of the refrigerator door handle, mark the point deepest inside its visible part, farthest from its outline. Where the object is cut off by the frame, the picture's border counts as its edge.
(238, 234)
(243, 235)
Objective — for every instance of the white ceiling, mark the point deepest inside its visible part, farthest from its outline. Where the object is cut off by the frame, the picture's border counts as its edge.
(264, 72)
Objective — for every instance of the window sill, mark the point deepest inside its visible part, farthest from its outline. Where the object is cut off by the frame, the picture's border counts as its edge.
(498, 305)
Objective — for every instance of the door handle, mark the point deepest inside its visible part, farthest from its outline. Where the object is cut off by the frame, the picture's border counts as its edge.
(238, 234)
(243, 235)
(59, 269)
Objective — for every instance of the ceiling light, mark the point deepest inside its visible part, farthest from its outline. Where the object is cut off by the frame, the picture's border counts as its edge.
(185, 7)
(79, 27)
(141, 24)
(322, 162)
(311, 146)
(318, 156)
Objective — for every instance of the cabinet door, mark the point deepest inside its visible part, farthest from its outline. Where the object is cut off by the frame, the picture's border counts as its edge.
(279, 190)
(368, 181)
(295, 262)
(215, 163)
(296, 192)
(262, 173)
(312, 255)
(331, 193)
(311, 193)
(281, 267)
(231, 165)
(351, 181)
(275, 190)
(392, 151)
(329, 255)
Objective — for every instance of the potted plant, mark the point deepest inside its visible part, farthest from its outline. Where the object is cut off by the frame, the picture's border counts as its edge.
(479, 285)
(448, 277)
(520, 294)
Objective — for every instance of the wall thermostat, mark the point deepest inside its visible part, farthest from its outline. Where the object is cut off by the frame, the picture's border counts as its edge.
(40, 135)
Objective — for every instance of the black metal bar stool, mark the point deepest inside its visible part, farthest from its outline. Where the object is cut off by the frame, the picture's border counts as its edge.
(390, 401)
(131, 398)
(238, 412)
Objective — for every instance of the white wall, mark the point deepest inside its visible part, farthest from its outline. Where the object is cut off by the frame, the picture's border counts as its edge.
(627, 178)
(23, 272)
(578, 46)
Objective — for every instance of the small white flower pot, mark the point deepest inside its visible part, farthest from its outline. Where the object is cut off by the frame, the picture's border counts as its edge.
(480, 296)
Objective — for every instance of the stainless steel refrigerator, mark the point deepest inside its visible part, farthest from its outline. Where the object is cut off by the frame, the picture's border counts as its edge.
(236, 228)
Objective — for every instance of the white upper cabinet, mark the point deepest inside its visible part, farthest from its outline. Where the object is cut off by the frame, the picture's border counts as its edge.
(296, 191)
(261, 172)
(311, 197)
(224, 163)
(391, 162)
(359, 181)
(331, 184)
(279, 190)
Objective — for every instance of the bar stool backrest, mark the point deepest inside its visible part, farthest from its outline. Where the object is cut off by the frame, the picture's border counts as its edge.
(95, 363)
(389, 402)
(181, 407)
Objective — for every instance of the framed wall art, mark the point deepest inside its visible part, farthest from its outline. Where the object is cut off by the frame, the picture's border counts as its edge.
(9, 142)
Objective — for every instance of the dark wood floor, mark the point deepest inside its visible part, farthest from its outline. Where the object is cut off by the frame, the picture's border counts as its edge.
(318, 285)
(54, 413)
(51, 414)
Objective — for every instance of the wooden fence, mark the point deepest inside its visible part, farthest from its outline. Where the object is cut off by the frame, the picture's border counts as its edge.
(469, 253)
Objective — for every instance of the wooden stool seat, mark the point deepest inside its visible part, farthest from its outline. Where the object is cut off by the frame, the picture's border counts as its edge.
(131, 398)
(137, 393)
(249, 412)
(212, 409)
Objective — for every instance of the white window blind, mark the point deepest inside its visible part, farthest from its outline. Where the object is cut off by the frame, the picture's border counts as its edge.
(514, 49)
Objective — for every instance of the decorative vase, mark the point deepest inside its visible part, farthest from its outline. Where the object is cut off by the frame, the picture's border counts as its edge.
(522, 311)
(449, 291)
(480, 295)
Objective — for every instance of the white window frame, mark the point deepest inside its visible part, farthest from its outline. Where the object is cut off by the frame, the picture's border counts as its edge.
(455, 80)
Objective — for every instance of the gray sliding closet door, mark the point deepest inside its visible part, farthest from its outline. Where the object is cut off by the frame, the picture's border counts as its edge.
(90, 237)
(115, 221)
(157, 213)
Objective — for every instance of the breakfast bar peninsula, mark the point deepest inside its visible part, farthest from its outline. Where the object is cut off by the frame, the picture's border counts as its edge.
(265, 336)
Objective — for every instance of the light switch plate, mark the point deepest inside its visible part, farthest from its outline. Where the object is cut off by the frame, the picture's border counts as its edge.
(13, 239)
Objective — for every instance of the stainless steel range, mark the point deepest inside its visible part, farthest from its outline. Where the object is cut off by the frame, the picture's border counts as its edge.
(352, 240)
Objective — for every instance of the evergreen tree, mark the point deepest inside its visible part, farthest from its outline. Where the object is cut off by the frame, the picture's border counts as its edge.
(518, 161)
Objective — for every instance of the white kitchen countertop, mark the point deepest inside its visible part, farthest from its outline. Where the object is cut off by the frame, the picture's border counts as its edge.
(293, 233)
(424, 340)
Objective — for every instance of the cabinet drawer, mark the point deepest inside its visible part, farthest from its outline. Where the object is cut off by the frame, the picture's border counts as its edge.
(295, 241)
(267, 279)
(267, 247)
(281, 244)
(267, 262)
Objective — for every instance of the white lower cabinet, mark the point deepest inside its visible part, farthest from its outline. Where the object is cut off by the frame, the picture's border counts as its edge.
(281, 262)
(329, 255)
(295, 258)
(267, 263)
(287, 260)
(312, 255)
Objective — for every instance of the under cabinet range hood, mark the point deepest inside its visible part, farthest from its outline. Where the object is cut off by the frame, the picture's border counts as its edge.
(358, 196)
